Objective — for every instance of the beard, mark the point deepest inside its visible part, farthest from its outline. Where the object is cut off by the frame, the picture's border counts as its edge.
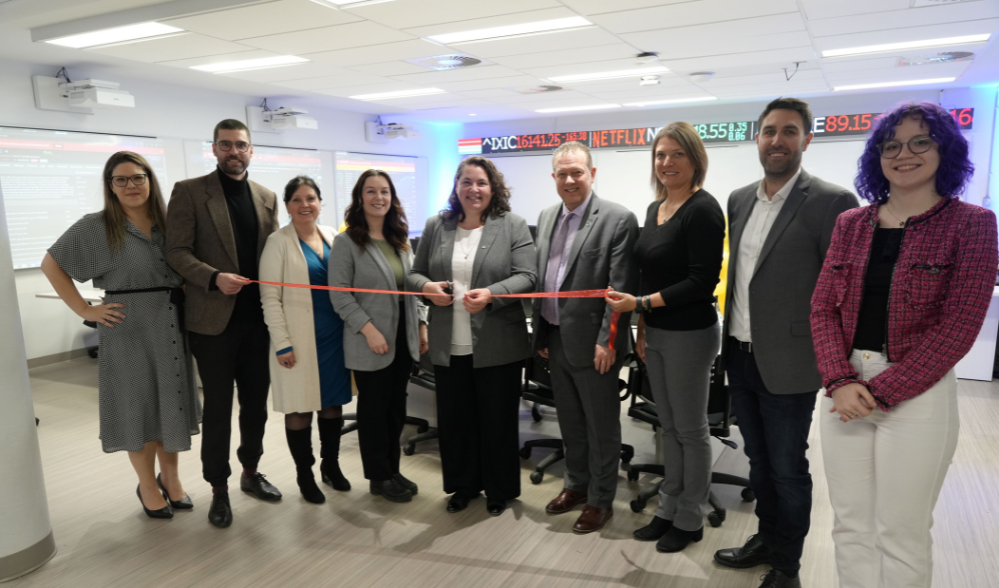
(779, 168)
(233, 166)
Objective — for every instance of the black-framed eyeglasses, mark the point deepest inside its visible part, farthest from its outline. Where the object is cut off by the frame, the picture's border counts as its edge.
(918, 144)
(241, 146)
(122, 181)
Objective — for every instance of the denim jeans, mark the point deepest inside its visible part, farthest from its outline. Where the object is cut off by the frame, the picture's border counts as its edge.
(774, 430)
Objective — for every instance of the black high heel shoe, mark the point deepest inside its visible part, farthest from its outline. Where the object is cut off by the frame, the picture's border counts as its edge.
(182, 504)
(164, 513)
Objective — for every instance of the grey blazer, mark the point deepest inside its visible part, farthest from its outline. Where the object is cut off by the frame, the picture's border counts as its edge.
(505, 263)
(780, 292)
(602, 255)
(349, 267)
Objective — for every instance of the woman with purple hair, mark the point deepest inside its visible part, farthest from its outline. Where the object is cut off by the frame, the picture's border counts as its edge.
(902, 295)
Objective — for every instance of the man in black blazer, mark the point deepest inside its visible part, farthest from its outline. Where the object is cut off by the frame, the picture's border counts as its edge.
(779, 230)
(584, 243)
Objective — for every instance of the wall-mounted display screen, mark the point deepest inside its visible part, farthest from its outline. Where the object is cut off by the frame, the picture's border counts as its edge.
(837, 125)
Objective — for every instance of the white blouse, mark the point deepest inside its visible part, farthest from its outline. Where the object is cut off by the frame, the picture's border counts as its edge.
(466, 242)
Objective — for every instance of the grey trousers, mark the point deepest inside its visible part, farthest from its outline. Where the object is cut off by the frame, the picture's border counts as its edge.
(589, 417)
(679, 364)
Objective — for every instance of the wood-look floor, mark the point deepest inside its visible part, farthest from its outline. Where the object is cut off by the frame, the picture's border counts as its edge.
(356, 539)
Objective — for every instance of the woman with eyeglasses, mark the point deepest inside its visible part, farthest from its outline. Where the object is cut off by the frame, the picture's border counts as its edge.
(383, 333)
(148, 400)
(902, 295)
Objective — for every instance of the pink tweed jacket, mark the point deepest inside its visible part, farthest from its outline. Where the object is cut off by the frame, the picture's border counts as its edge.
(940, 293)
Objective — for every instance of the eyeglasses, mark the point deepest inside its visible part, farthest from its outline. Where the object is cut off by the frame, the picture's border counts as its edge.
(122, 181)
(918, 144)
(241, 146)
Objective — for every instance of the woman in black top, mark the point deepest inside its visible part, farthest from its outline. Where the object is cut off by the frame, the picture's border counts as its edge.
(679, 253)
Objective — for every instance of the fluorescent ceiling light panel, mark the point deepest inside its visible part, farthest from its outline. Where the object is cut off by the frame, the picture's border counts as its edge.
(575, 108)
(542, 26)
(117, 35)
(889, 47)
(399, 94)
(894, 84)
(250, 64)
(675, 101)
(610, 75)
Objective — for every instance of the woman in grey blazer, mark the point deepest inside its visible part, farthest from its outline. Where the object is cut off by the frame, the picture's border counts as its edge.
(478, 248)
(383, 333)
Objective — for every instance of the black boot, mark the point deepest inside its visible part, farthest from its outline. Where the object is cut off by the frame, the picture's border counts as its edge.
(329, 439)
(300, 444)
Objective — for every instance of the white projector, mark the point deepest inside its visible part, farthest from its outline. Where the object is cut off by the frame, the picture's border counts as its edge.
(291, 118)
(96, 93)
(395, 131)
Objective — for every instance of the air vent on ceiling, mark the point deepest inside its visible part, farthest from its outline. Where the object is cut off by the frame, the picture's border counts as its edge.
(945, 57)
(449, 61)
(537, 89)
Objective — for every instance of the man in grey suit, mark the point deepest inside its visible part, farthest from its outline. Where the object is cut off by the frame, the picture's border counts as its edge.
(779, 230)
(584, 243)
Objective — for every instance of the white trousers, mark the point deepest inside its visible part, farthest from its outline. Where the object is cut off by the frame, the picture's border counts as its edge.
(885, 472)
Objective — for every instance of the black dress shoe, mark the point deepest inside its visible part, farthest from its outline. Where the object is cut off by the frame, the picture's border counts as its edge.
(258, 486)
(677, 539)
(654, 531)
(495, 507)
(162, 513)
(407, 483)
(459, 501)
(182, 504)
(391, 490)
(220, 513)
(753, 553)
(778, 579)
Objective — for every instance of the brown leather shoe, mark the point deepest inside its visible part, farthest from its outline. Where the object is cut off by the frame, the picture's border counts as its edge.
(592, 519)
(565, 501)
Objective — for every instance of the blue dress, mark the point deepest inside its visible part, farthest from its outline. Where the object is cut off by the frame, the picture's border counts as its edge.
(334, 377)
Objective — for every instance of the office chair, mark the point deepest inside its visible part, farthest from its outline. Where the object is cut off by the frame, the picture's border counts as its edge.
(538, 390)
(423, 375)
(720, 420)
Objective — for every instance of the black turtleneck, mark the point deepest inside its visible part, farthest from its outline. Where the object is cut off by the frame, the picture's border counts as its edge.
(245, 230)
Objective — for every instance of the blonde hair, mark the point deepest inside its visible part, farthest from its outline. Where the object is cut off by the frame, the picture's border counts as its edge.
(572, 147)
(686, 135)
(113, 213)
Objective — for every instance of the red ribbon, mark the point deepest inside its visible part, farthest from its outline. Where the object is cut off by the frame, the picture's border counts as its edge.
(570, 294)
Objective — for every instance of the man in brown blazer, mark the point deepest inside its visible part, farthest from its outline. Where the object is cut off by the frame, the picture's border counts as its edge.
(217, 226)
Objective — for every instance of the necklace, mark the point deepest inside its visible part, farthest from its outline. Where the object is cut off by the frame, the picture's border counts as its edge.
(901, 223)
(468, 239)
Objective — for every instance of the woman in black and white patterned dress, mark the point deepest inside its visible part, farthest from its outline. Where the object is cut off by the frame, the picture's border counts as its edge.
(149, 402)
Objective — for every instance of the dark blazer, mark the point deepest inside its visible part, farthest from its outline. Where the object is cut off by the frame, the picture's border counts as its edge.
(506, 263)
(601, 257)
(200, 242)
(780, 292)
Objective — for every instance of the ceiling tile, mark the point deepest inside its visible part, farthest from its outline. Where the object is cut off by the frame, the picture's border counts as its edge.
(739, 13)
(389, 68)
(487, 94)
(776, 78)
(919, 72)
(419, 13)
(683, 43)
(401, 50)
(898, 35)
(506, 82)
(223, 58)
(514, 18)
(819, 9)
(358, 34)
(909, 17)
(463, 74)
(563, 96)
(603, 6)
(665, 81)
(532, 44)
(568, 56)
(259, 20)
(644, 94)
(171, 48)
(343, 78)
(777, 57)
(366, 89)
(299, 71)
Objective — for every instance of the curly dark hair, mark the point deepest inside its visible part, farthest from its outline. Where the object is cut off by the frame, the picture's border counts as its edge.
(498, 204)
(955, 169)
(395, 229)
(296, 183)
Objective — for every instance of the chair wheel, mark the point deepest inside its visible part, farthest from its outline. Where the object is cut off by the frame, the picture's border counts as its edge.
(525, 453)
(714, 519)
(536, 477)
(536, 414)
(627, 454)
(409, 449)
(92, 353)
(748, 495)
(632, 476)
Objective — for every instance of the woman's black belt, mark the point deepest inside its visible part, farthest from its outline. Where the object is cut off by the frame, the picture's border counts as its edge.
(176, 296)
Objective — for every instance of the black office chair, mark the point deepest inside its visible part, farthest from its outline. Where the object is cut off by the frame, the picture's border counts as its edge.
(423, 375)
(720, 420)
(538, 390)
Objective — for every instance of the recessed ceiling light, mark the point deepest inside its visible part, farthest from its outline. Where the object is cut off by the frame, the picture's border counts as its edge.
(528, 28)
(399, 94)
(574, 108)
(893, 84)
(610, 75)
(472, 114)
(250, 64)
(675, 101)
(142, 31)
(888, 47)
(348, 3)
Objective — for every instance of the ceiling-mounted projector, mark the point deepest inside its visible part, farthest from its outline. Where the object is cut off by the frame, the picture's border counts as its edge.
(96, 93)
(290, 118)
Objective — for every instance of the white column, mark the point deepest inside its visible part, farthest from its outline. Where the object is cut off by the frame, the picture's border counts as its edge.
(26, 540)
